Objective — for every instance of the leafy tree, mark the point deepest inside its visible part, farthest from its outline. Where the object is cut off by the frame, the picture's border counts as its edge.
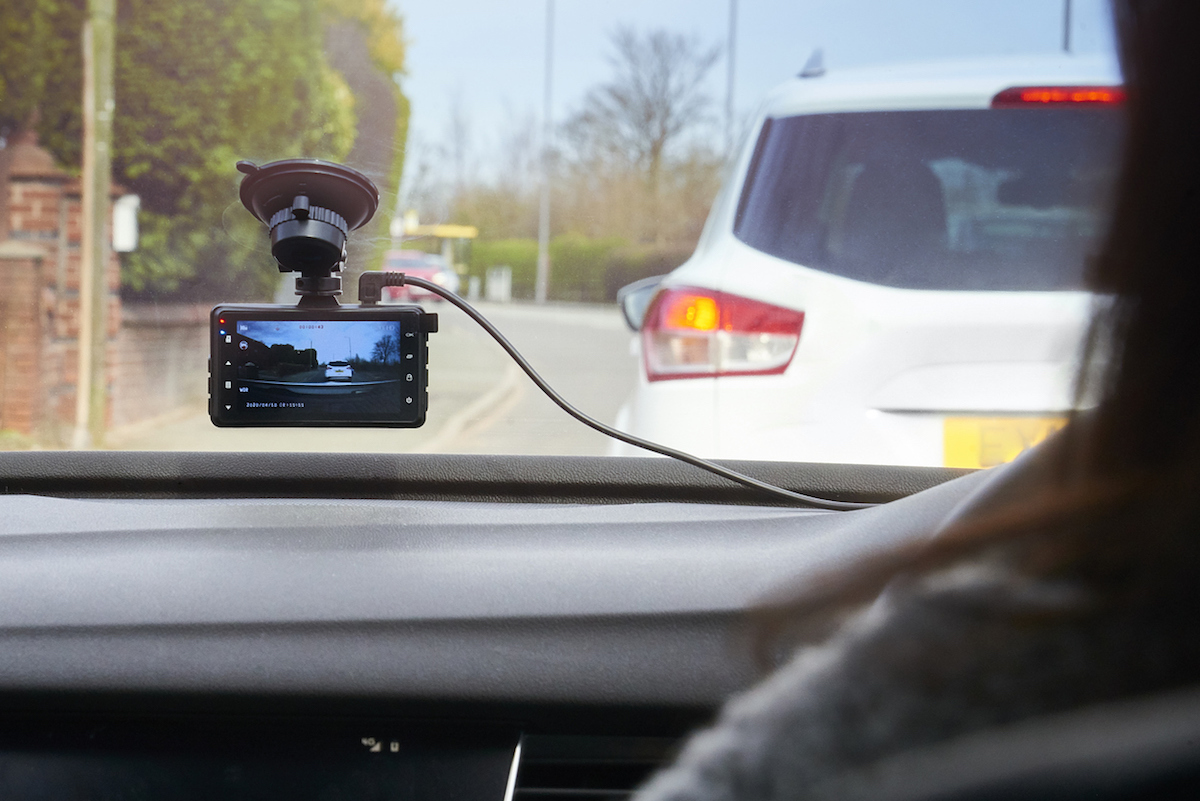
(41, 69)
(365, 42)
(199, 84)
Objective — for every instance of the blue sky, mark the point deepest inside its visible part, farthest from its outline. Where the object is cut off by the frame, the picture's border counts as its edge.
(489, 54)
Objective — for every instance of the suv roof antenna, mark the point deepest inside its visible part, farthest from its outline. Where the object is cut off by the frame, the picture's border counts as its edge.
(815, 66)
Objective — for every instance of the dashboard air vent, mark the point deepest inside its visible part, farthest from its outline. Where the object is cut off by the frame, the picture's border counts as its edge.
(582, 768)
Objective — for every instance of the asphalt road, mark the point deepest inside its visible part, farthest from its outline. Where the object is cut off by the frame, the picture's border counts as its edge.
(479, 400)
(582, 351)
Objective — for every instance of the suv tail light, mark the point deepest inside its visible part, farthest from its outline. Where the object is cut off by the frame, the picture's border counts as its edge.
(700, 333)
(1027, 96)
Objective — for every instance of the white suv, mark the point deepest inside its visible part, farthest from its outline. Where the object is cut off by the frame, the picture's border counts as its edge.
(892, 273)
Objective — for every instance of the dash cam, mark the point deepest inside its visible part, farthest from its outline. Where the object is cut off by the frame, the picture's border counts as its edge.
(317, 363)
(324, 367)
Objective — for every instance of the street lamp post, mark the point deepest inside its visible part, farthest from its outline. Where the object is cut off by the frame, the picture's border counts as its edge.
(1066, 26)
(543, 263)
(91, 387)
(730, 63)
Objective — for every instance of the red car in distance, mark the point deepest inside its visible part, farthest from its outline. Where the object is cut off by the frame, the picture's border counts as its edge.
(429, 266)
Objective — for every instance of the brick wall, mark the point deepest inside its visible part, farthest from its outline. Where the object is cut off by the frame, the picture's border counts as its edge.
(22, 345)
(161, 361)
(40, 330)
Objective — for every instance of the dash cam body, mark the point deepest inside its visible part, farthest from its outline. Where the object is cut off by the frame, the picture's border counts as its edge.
(342, 366)
(317, 363)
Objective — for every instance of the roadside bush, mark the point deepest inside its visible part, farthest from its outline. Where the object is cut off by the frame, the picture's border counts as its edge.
(582, 269)
(519, 254)
(629, 264)
(578, 266)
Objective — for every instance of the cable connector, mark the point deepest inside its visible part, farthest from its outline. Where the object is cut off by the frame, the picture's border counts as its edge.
(370, 293)
(370, 286)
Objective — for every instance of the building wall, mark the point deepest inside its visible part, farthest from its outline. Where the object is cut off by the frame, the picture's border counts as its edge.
(161, 361)
(40, 330)
(22, 344)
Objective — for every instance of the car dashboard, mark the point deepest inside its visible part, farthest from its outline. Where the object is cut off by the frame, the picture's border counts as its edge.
(397, 626)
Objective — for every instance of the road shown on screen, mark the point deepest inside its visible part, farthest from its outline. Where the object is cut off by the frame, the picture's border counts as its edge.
(479, 401)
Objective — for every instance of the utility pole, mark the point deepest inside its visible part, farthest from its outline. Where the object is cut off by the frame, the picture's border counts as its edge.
(1066, 26)
(730, 61)
(91, 388)
(543, 263)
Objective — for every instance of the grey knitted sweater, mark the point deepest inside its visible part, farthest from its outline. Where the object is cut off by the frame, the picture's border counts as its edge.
(970, 648)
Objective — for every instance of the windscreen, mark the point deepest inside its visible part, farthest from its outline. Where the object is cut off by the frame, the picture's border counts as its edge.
(996, 199)
(539, 208)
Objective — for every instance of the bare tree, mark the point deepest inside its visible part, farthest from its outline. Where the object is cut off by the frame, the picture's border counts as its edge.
(386, 350)
(630, 166)
(425, 188)
(518, 151)
(458, 138)
(440, 172)
(656, 95)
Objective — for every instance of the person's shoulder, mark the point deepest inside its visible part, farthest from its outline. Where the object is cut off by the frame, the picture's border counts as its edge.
(927, 660)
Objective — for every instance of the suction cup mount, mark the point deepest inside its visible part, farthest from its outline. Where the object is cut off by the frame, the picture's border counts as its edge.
(310, 207)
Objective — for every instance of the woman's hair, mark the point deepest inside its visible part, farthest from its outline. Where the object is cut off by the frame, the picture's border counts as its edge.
(1122, 514)
(1150, 259)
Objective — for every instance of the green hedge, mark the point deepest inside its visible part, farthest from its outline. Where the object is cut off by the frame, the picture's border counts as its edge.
(581, 269)
(519, 254)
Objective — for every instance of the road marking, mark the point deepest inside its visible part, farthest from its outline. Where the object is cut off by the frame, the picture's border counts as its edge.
(498, 400)
(117, 435)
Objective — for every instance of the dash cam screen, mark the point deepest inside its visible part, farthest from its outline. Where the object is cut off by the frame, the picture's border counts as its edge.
(343, 370)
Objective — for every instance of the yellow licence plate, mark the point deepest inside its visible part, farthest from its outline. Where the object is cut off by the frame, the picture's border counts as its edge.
(989, 441)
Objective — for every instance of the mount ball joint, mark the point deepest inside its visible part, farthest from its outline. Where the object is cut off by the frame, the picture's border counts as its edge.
(310, 207)
(306, 238)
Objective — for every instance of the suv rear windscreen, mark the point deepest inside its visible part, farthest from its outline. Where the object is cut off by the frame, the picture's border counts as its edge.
(997, 199)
